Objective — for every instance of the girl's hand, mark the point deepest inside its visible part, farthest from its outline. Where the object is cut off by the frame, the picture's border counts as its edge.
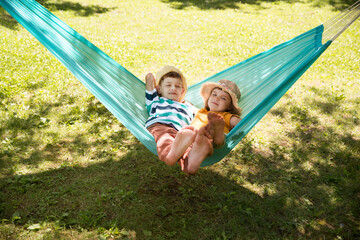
(234, 120)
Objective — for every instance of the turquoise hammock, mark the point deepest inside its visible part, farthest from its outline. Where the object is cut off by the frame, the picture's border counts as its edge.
(263, 79)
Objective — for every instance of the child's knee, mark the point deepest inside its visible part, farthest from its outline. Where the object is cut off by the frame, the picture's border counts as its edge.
(169, 162)
(191, 170)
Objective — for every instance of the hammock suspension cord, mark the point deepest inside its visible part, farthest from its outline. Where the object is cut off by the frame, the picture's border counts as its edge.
(339, 23)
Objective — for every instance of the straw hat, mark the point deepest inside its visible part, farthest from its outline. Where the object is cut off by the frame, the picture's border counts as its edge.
(225, 85)
(166, 69)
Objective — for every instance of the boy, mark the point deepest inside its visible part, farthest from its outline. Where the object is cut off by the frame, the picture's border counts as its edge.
(169, 120)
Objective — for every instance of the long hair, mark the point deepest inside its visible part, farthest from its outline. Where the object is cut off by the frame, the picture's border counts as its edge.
(232, 109)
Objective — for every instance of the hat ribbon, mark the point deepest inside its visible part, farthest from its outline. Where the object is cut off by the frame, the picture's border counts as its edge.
(226, 87)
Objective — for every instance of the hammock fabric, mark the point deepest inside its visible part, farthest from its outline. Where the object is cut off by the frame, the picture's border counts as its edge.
(263, 79)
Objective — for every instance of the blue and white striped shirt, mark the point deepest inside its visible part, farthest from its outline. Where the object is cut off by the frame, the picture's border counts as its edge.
(166, 111)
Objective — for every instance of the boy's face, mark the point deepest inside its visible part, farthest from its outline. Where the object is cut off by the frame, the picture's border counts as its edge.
(219, 101)
(171, 88)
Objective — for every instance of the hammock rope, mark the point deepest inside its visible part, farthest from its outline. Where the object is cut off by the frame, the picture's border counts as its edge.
(339, 23)
(263, 79)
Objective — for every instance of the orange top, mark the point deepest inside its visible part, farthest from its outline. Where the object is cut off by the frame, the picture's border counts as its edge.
(201, 119)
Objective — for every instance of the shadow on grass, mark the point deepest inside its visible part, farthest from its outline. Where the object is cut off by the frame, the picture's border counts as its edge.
(143, 196)
(77, 8)
(81, 10)
(280, 196)
(234, 4)
(18, 133)
(7, 20)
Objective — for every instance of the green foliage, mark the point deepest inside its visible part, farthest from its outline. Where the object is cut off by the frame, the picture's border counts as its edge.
(70, 170)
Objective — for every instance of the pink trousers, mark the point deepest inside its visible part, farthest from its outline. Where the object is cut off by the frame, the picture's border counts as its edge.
(164, 137)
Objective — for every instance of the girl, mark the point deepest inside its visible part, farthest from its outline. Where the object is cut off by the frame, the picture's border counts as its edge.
(221, 111)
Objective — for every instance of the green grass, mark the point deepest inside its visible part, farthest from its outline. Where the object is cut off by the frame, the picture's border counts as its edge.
(70, 170)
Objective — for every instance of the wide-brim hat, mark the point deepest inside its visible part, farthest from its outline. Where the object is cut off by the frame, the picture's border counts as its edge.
(225, 85)
(166, 69)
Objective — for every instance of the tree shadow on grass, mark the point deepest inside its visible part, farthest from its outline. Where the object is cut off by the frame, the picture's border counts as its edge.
(337, 5)
(81, 10)
(7, 20)
(279, 196)
(77, 8)
(21, 132)
(234, 4)
(139, 194)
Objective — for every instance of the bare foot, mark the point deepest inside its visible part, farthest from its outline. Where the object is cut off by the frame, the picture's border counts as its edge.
(184, 138)
(217, 124)
(201, 148)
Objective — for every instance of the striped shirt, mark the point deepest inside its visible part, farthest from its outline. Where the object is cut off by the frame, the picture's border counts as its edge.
(166, 111)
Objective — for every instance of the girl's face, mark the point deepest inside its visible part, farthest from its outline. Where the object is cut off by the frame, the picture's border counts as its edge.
(171, 88)
(219, 101)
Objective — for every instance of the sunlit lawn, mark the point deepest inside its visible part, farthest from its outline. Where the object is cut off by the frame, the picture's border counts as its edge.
(70, 170)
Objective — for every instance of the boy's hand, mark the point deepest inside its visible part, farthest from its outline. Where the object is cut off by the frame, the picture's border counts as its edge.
(150, 81)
